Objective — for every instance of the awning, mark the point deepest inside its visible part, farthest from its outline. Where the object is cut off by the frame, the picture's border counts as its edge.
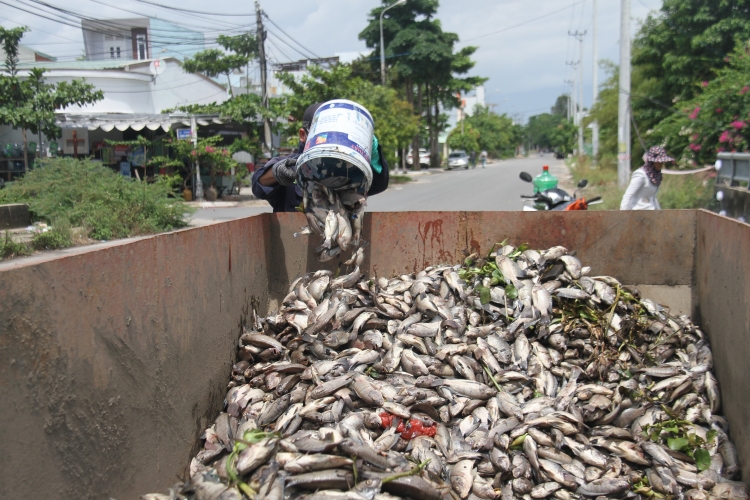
(123, 121)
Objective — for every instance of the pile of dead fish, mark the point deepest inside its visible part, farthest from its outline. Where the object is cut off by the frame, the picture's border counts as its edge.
(512, 376)
(335, 216)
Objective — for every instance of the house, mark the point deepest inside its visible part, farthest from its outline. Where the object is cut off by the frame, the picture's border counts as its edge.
(138, 39)
(28, 55)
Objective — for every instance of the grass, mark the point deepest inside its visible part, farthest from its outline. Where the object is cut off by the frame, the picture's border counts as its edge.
(88, 195)
(10, 248)
(675, 192)
(60, 235)
(400, 179)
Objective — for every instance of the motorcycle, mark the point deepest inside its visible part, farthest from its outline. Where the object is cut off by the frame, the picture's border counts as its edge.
(557, 199)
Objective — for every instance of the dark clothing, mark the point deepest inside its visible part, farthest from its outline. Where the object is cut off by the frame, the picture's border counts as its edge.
(287, 199)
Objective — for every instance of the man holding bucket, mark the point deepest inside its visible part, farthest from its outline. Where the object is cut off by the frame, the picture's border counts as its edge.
(275, 181)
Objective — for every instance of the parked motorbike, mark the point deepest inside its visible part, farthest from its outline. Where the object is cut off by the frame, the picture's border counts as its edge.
(556, 199)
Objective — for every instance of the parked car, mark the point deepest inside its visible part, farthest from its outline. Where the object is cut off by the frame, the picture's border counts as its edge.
(458, 159)
(424, 157)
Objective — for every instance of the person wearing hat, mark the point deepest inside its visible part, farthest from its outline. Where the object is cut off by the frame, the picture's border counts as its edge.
(645, 181)
(275, 181)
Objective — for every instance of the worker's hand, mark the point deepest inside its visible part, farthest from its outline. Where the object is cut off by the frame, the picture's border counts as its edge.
(285, 172)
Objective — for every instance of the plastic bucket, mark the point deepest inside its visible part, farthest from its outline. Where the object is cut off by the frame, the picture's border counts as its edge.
(339, 147)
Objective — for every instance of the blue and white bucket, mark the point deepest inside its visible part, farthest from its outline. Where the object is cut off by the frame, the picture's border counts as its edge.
(339, 147)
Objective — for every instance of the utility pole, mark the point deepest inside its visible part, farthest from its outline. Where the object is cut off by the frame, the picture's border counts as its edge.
(574, 92)
(579, 36)
(595, 125)
(261, 34)
(623, 113)
(570, 98)
(194, 137)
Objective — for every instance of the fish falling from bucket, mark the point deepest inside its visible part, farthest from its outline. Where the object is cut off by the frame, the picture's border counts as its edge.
(336, 217)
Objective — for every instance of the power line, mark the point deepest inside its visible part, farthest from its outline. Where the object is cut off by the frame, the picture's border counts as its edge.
(223, 24)
(169, 7)
(523, 23)
(292, 39)
(305, 56)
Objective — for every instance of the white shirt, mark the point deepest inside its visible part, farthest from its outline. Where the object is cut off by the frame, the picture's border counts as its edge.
(641, 193)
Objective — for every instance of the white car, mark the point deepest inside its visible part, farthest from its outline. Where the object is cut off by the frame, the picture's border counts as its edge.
(458, 159)
(424, 157)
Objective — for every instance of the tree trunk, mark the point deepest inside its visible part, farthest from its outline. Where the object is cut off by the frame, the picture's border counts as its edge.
(415, 139)
(25, 151)
(435, 146)
(229, 81)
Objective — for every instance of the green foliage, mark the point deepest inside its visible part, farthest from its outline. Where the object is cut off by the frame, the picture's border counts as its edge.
(682, 45)
(468, 140)
(60, 235)
(395, 123)
(92, 196)
(10, 248)
(550, 131)
(677, 435)
(29, 103)
(497, 133)
(238, 51)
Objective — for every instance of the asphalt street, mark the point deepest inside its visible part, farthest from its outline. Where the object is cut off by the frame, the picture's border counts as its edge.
(496, 187)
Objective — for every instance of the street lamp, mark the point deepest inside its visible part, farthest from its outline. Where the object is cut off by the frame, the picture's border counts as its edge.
(382, 49)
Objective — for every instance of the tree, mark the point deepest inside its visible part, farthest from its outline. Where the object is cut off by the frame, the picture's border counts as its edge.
(497, 133)
(466, 140)
(549, 131)
(561, 106)
(716, 120)
(422, 61)
(682, 45)
(238, 51)
(395, 123)
(29, 103)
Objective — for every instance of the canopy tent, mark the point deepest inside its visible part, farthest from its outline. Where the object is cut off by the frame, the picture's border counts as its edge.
(137, 122)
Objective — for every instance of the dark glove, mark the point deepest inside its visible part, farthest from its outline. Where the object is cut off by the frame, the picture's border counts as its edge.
(285, 172)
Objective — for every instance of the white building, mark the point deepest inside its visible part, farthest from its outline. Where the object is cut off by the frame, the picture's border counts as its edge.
(136, 94)
(138, 39)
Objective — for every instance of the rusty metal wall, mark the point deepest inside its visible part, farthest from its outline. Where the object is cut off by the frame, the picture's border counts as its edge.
(112, 362)
(642, 247)
(723, 290)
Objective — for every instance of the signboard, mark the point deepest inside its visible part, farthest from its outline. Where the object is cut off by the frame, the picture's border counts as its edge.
(82, 141)
(138, 157)
(121, 150)
(184, 134)
(125, 168)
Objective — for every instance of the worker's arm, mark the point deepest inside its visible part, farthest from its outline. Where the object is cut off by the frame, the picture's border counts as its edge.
(629, 199)
(265, 181)
(379, 180)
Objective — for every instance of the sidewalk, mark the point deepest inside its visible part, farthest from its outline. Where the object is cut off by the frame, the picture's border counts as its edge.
(246, 194)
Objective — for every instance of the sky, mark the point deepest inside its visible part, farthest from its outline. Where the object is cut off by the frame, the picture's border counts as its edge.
(522, 45)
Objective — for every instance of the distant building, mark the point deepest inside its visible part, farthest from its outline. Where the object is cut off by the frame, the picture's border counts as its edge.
(275, 88)
(138, 39)
(28, 55)
(468, 101)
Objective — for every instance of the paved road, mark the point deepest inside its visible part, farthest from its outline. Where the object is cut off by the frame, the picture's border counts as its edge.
(496, 187)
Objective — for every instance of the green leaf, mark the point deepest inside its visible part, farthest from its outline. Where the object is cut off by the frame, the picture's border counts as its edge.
(678, 444)
(711, 436)
(484, 294)
(702, 459)
(511, 291)
(468, 262)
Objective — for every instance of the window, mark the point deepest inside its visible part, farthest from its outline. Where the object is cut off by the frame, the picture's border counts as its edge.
(112, 52)
(140, 42)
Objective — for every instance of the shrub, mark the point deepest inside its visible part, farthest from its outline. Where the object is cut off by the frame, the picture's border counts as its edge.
(10, 248)
(60, 235)
(89, 195)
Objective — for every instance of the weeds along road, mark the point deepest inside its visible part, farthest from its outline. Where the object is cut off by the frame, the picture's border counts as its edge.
(496, 187)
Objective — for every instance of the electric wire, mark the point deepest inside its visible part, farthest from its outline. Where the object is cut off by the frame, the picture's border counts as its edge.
(169, 7)
(315, 56)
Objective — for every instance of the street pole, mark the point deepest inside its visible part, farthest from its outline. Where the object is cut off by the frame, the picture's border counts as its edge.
(595, 125)
(382, 43)
(574, 91)
(623, 114)
(579, 118)
(194, 137)
(261, 34)
(570, 98)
